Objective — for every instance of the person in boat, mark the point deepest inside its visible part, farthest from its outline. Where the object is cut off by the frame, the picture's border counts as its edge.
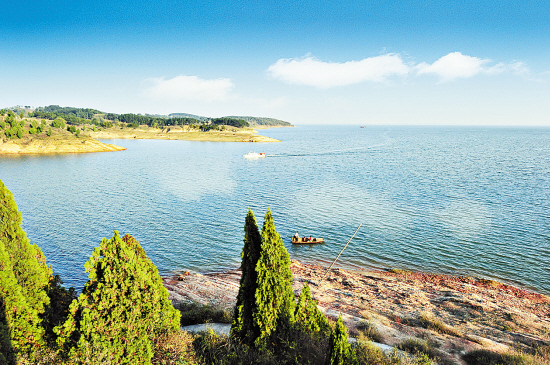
(310, 239)
(304, 239)
(296, 237)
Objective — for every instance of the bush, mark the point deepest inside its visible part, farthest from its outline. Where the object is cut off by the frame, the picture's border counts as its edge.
(196, 313)
(428, 321)
(370, 331)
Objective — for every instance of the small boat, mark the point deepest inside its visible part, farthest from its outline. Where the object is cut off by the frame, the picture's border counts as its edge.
(300, 241)
(362, 126)
(254, 155)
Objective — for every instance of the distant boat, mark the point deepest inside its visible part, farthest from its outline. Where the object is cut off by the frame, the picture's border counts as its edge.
(300, 241)
(254, 155)
(362, 126)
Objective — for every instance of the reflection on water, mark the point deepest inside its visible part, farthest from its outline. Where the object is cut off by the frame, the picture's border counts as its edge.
(452, 200)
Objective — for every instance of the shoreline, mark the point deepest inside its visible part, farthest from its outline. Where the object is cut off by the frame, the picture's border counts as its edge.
(458, 313)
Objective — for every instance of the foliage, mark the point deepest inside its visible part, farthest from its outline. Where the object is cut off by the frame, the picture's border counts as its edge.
(196, 313)
(27, 260)
(239, 123)
(49, 132)
(244, 327)
(58, 122)
(370, 331)
(58, 309)
(274, 296)
(174, 349)
(263, 121)
(486, 357)
(339, 350)
(24, 277)
(122, 310)
(20, 330)
(430, 322)
(308, 316)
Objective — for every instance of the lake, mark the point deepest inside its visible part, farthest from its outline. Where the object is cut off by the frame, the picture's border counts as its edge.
(455, 200)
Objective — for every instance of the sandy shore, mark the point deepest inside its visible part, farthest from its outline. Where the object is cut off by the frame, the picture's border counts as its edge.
(182, 133)
(53, 145)
(458, 314)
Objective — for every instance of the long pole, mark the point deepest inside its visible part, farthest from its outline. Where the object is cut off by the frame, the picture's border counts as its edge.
(330, 267)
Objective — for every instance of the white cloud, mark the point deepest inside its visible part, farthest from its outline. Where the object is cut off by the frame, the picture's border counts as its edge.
(456, 65)
(311, 71)
(188, 88)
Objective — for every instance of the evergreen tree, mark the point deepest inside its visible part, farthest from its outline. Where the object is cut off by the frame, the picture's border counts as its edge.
(122, 310)
(308, 316)
(243, 326)
(20, 331)
(27, 261)
(339, 350)
(274, 296)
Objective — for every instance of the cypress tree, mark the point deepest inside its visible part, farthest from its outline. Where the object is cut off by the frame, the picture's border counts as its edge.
(27, 260)
(243, 326)
(20, 331)
(123, 308)
(339, 350)
(274, 296)
(308, 316)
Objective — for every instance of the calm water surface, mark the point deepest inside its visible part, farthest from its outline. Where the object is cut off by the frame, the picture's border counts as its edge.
(472, 201)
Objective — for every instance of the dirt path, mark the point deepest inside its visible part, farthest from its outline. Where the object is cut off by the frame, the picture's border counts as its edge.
(457, 314)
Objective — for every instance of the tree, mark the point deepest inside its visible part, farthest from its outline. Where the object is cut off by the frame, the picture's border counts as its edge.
(274, 295)
(27, 260)
(244, 327)
(24, 278)
(308, 316)
(339, 350)
(20, 332)
(122, 310)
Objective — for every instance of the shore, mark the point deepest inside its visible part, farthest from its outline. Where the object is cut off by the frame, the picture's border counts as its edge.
(458, 314)
(183, 133)
(60, 143)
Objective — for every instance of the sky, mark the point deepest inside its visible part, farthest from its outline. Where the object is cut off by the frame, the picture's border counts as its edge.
(363, 62)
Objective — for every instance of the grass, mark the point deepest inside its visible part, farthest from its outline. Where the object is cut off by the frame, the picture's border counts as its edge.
(370, 331)
(486, 357)
(430, 322)
(195, 313)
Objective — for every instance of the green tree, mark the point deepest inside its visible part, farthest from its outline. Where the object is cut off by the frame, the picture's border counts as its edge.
(274, 296)
(24, 278)
(308, 316)
(339, 350)
(122, 310)
(27, 260)
(49, 132)
(244, 327)
(20, 331)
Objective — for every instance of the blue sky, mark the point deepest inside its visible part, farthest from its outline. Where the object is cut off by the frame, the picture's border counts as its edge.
(310, 62)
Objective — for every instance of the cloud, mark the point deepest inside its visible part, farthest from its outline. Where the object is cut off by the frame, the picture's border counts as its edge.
(456, 65)
(313, 72)
(188, 88)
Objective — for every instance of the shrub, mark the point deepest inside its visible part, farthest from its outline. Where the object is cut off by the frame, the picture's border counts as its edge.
(195, 313)
(428, 321)
(122, 310)
(339, 350)
(370, 331)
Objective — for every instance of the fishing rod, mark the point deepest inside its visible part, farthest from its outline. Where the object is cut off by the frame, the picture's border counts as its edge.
(330, 267)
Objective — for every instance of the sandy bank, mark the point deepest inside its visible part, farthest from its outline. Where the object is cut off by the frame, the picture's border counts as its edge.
(474, 313)
(182, 133)
(55, 145)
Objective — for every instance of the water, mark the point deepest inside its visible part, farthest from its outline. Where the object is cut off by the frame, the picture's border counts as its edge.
(467, 201)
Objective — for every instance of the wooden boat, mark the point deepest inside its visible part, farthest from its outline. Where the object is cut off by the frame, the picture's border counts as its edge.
(314, 240)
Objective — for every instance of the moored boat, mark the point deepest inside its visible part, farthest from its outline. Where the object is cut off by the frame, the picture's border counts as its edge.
(254, 155)
(307, 241)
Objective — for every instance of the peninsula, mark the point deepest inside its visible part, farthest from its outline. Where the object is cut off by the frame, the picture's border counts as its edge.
(54, 129)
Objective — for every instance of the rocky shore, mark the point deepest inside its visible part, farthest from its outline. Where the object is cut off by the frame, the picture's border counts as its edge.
(455, 314)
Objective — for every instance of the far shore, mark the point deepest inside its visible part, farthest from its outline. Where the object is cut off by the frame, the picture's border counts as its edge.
(458, 314)
(61, 141)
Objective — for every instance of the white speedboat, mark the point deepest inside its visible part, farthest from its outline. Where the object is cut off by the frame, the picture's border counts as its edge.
(254, 155)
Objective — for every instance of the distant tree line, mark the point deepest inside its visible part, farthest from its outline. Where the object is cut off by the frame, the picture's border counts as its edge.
(96, 117)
